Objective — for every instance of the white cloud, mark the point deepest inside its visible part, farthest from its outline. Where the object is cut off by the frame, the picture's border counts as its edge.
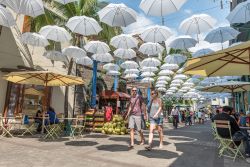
(188, 11)
(142, 23)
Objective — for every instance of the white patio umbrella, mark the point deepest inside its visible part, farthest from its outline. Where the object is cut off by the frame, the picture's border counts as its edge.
(162, 82)
(55, 56)
(113, 73)
(175, 59)
(167, 66)
(64, 2)
(150, 62)
(125, 53)
(202, 52)
(147, 80)
(117, 15)
(169, 93)
(34, 39)
(6, 18)
(180, 76)
(103, 57)
(149, 69)
(129, 65)
(147, 74)
(188, 84)
(177, 81)
(86, 61)
(83, 25)
(175, 85)
(156, 34)
(131, 71)
(160, 85)
(55, 33)
(124, 41)
(131, 76)
(221, 35)
(97, 47)
(182, 90)
(240, 14)
(183, 43)
(162, 89)
(151, 48)
(164, 78)
(173, 88)
(111, 67)
(74, 52)
(31, 8)
(165, 72)
(197, 24)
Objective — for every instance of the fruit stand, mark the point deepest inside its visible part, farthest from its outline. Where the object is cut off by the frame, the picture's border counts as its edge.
(116, 127)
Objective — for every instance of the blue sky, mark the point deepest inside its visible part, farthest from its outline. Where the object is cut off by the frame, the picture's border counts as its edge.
(211, 7)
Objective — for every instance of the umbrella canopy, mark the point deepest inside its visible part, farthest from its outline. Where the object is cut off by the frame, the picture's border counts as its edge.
(165, 72)
(117, 15)
(125, 53)
(180, 76)
(113, 73)
(156, 34)
(55, 33)
(175, 59)
(188, 84)
(6, 18)
(233, 61)
(180, 71)
(131, 71)
(147, 74)
(131, 76)
(182, 43)
(150, 62)
(175, 85)
(97, 47)
(150, 48)
(129, 65)
(44, 78)
(162, 89)
(104, 58)
(197, 24)
(64, 2)
(162, 82)
(55, 56)
(221, 35)
(111, 67)
(177, 81)
(74, 52)
(124, 41)
(173, 88)
(147, 80)
(202, 52)
(164, 78)
(86, 61)
(160, 85)
(32, 91)
(34, 39)
(160, 7)
(149, 69)
(83, 25)
(31, 8)
(240, 14)
(167, 66)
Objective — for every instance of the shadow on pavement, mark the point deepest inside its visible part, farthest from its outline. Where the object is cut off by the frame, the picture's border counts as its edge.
(160, 154)
(96, 136)
(113, 148)
(120, 139)
(181, 138)
(61, 139)
(81, 143)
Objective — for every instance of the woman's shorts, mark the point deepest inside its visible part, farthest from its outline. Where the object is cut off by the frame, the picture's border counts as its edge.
(157, 121)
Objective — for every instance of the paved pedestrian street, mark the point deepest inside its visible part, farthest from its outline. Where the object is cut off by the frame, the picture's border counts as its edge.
(187, 146)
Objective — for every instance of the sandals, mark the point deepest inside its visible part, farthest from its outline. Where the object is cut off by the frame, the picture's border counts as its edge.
(130, 147)
(148, 148)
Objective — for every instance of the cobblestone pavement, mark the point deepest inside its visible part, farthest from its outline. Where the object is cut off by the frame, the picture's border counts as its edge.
(184, 147)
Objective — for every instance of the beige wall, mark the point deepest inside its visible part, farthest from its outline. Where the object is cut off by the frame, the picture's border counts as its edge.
(3, 88)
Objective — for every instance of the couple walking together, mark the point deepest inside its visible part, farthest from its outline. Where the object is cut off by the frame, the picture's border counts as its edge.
(136, 112)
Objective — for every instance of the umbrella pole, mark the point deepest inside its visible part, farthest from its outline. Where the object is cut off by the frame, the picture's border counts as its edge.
(162, 20)
(233, 100)
(94, 79)
(45, 105)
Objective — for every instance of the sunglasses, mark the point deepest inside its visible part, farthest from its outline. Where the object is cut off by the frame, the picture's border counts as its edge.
(133, 90)
(152, 93)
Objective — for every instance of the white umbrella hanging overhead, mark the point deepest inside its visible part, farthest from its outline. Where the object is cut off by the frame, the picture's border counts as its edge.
(167, 66)
(103, 57)
(147, 74)
(182, 43)
(124, 41)
(97, 47)
(150, 62)
(180, 71)
(149, 69)
(131, 71)
(113, 73)
(240, 14)
(86, 61)
(164, 78)
(64, 2)
(6, 18)
(129, 65)
(173, 88)
(165, 72)
(162, 89)
(34, 39)
(180, 76)
(150, 48)
(175, 59)
(125, 53)
(162, 82)
(131, 76)
(31, 8)
(156, 34)
(160, 85)
(111, 67)
(117, 15)
(189, 84)
(202, 52)
(74, 52)
(55, 56)
(177, 81)
(147, 80)
(197, 24)
(175, 85)
(83, 25)
(55, 33)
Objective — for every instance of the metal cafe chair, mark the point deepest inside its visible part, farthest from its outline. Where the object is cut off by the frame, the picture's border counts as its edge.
(5, 127)
(78, 126)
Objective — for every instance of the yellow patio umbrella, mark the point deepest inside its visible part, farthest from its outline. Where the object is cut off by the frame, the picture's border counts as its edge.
(233, 61)
(230, 86)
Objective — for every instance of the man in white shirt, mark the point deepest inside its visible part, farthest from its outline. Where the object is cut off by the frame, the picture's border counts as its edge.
(175, 115)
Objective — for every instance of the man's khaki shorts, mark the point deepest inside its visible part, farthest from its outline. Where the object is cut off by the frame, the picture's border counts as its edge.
(135, 122)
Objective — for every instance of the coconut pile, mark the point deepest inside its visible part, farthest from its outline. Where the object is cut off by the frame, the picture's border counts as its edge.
(115, 127)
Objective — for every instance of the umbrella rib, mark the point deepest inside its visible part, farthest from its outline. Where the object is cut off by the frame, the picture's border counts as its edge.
(27, 78)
